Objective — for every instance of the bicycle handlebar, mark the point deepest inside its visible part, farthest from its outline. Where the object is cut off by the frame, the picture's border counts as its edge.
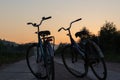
(76, 20)
(70, 25)
(61, 29)
(29, 23)
(45, 18)
(37, 25)
(33, 24)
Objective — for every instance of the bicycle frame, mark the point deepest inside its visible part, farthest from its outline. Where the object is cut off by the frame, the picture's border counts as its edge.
(41, 41)
(73, 43)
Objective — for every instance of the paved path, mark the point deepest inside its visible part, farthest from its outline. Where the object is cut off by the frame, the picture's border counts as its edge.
(16, 71)
(113, 71)
(20, 71)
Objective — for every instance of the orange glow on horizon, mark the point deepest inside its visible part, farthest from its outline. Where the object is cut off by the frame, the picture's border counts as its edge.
(15, 14)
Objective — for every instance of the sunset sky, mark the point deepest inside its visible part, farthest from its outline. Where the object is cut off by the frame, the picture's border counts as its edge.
(14, 14)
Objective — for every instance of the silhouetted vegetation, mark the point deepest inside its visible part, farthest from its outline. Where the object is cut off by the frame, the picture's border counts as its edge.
(11, 52)
(109, 36)
(59, 49)
(110, 41)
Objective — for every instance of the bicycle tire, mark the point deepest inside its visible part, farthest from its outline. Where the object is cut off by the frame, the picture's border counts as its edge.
(96, 60)
(74, 68)
(33, 65)
(49, 60)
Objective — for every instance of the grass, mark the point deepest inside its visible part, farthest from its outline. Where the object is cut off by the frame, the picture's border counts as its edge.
(112, 57)
(7, 57)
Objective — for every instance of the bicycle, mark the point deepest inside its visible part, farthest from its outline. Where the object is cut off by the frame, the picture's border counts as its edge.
(40, 55)
(78, 58)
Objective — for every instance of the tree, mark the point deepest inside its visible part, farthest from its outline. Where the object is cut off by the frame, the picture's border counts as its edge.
(117, 41)
(108, 30)
(107, 35)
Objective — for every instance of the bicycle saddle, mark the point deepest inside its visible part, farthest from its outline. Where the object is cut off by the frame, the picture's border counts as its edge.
(44, 33)
(79, 34)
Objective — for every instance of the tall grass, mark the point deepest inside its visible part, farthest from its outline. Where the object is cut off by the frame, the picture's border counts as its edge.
(111, 56)
(8, 57)
(12, 54)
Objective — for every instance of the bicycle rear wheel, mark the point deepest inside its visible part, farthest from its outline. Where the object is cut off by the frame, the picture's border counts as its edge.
(96, 61)
(35, 61)
(73, 62)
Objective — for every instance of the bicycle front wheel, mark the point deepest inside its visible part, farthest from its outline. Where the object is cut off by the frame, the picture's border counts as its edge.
(35, 62)
(74, 62)
(96, 61)
(49, 62)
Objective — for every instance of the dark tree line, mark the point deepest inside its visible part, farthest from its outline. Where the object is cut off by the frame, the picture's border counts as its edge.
(10, 53)
(108, 38)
